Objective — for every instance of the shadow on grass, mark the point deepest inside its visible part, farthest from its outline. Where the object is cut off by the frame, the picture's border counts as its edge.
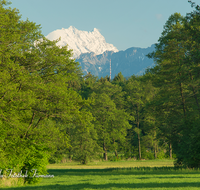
(108, 186)
(121, 171)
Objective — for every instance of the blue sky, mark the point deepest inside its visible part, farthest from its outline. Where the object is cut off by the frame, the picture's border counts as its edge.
(123, 23)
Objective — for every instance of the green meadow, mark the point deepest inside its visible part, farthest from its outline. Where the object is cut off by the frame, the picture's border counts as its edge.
(139, 175)
(111, 164)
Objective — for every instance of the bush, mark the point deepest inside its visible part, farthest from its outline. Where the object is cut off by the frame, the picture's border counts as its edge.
(161, 155)
(147, 154)
(113, 158)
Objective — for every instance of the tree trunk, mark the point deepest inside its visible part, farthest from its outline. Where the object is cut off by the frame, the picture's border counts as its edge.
(70, 156)
(105, 152)
(155, 152)
(116, 154)
(194, 93)
(183, 99)
(170, 150)
(138, 124)
(139, 148)
(105, 155)
(155, 145)
(181, 89)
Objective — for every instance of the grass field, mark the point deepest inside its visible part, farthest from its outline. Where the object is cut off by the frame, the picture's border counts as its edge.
(108, 164)
(100, 176)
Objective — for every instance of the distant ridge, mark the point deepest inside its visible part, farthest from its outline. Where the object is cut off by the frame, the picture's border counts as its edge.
(128, 62)
(82, 41)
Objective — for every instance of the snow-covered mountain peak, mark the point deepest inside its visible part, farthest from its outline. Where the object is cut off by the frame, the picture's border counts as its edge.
(81, 41)
(96, 31)
(71, 28)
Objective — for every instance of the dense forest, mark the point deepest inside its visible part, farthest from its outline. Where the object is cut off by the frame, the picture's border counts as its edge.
(50, 112)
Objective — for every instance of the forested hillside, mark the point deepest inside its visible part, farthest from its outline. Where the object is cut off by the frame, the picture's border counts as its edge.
(50, 112)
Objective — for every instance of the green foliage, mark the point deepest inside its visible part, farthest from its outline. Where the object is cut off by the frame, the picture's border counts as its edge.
(84, 139)
(48, 110)
(110, 122)
(138, 93)
(162, 155)
(113, 158)
(87, 84)
(175, 74)
(147, 154)
(187, 149)
(34, 92)
(119, 79)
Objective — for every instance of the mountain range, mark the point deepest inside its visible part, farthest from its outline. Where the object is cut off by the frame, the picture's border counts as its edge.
(81, 41)
(94, 54)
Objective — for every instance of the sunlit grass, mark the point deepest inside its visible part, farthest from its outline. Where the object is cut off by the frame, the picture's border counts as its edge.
(160, 177)
(118, 164)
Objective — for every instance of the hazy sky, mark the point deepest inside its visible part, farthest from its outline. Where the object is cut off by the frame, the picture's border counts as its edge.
(123, 23)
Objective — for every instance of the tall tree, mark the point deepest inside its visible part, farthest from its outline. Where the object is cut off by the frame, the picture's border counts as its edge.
(34, 76)
(119, 79)
(135, 104)
(175, 75)
(111, 121)
(87, 84)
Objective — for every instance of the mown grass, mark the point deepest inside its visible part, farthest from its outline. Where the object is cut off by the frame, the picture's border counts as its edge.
(109, 164)
(140, 178)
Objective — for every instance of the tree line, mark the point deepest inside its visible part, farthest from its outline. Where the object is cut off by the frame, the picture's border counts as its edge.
(49, 109)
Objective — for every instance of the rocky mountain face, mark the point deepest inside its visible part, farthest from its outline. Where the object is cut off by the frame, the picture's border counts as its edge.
(94, 54)
(128, 62)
